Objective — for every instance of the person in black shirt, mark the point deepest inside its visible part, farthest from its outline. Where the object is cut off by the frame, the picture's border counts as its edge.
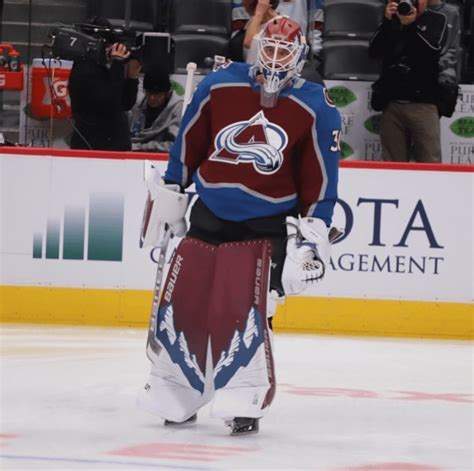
(409, 46)
(101, 95)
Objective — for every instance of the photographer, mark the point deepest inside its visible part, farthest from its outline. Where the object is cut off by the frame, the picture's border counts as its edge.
(101, 94)
(409, 42)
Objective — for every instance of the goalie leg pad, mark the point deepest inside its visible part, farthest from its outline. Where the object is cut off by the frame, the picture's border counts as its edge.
(213, 331)
(177, 386)
(168, 395)
(240, 336)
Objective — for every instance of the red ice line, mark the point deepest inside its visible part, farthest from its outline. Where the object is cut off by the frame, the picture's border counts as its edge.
(6, 436)
(181, 451)
(365, 394)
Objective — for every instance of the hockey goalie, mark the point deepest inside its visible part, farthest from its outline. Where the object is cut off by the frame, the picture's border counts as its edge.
(261, 146)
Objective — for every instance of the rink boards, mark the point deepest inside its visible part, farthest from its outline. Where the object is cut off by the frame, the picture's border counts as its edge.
(70, 225)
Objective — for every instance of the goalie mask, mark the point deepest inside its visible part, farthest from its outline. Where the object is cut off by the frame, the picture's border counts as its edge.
(282, 51)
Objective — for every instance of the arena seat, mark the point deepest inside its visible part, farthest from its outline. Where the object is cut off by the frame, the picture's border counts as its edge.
(200, 17)
(141, 13)
(348, 59)
(352, 18)
(198, 48)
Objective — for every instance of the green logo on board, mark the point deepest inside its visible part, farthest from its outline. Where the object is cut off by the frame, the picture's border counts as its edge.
(463, 127)
(93, 235)
(346, 150)
(372, 124)
(341, 96)
(177, 88)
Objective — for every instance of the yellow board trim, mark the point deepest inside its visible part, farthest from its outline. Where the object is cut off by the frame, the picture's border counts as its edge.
(377, 317)
(331, 316)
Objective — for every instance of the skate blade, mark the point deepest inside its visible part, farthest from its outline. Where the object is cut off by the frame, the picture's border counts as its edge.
(238, 433)
(190, 421)
(243, 429)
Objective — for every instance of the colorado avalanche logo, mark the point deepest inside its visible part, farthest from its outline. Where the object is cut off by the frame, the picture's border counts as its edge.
(256, 141)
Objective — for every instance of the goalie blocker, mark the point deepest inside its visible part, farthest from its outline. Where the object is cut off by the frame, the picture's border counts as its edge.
(213, 330)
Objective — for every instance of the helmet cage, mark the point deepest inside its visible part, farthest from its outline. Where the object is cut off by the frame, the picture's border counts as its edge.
(280, 60)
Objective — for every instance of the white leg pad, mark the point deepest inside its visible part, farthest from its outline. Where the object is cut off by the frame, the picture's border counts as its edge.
(167, 392)
(239, 402)
(245, 393)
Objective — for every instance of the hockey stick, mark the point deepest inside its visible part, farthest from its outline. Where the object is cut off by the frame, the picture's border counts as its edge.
(152, 346)
(188, 88)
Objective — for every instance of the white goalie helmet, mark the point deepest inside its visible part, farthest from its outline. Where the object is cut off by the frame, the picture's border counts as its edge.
(281, 55)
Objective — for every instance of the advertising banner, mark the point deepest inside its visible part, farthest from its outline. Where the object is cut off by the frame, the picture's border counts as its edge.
(404, 239)
(361, 125)
(75, 222)
(457, 132)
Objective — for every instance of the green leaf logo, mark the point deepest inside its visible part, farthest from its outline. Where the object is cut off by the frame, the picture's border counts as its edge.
(341, 96)
(463, 127)
(372, 124)
(177, 88)
(346, 150)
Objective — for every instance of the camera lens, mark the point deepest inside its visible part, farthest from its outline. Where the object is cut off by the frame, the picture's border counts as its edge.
(404, 7)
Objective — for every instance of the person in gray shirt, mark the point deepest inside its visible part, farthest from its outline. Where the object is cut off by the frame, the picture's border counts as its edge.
(155, 119)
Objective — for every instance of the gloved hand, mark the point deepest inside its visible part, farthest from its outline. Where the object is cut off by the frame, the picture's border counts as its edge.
(307, 253)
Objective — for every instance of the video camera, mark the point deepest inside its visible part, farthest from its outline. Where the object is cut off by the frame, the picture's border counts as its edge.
(405, 6)
(90, 41)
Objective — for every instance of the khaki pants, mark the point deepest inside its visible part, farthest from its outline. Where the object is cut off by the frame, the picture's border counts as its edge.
(404, 123)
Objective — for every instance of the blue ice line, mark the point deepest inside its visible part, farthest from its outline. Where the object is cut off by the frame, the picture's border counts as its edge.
(83, 460)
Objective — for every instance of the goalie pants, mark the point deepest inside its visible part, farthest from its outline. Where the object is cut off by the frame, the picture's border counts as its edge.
(207, 227)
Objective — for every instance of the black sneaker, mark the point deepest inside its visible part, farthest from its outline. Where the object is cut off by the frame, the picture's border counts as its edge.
(188, 421)
(243, 425)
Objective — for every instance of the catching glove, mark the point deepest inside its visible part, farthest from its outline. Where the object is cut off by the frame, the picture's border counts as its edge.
(307, 253)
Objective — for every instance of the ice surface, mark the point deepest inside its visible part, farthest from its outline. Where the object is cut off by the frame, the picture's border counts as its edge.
(342, 404)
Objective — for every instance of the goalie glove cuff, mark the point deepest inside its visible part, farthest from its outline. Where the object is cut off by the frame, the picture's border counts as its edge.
(165, 205)
(308, 253)
(314, 230)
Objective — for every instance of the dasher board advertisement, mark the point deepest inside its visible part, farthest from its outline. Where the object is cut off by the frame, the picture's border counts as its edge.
(76, 221)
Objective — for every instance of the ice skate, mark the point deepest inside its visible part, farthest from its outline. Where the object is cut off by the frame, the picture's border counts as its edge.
(243, 425)
(190, 420)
